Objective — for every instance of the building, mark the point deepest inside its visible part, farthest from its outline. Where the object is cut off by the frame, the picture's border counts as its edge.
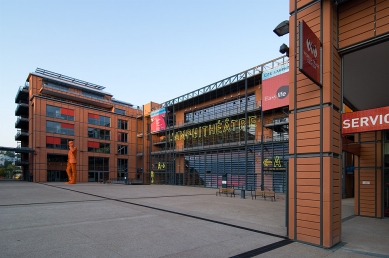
(53, 109)
(339, 55)
(223, 132)
(330, 140)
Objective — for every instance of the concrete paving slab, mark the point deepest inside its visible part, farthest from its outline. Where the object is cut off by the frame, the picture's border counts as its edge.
(107, 220)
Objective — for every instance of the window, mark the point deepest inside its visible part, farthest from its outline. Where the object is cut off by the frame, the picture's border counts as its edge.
(98, 164)
(98, 147)
(57, 143)
(122, 149)
(52, 158)
(99, 120)
(60, 113)
(98, 133)
(122, 137)
(60, 128)
(120, 111)
(122, 168)
(122, 124)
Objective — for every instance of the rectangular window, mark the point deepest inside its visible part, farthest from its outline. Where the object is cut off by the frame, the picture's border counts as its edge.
(120, 111)
(122, 137)
(98, 164)
(99, 120)
(122, 168)
(60, 128)
(99, 133)
(60, 113)
(57, 143)
(122, 149)
(53, 158)
(99, 147)
(122, 124)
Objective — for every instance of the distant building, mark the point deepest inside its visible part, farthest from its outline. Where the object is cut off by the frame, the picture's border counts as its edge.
(4, 158)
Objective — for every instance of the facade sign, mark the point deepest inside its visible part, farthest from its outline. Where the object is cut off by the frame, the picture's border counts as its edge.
(366, 120)
(275, 87)
(221, 127)
(310, 55)
(158, 120)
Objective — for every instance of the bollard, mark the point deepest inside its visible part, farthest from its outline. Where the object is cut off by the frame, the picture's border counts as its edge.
(242, 194)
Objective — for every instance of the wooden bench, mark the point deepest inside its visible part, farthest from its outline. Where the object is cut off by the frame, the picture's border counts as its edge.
(256, 193)
(226, 191)
(269, 194)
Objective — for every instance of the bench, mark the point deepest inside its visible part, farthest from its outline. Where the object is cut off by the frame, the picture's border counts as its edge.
(269, 194)
(226, 191)
(256, 193)
(264, 194)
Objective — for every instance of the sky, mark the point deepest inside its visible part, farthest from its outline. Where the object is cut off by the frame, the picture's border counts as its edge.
(139, 50)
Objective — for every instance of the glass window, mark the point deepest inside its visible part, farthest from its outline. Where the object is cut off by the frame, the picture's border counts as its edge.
(122, 124)
(120, 111)
(60, 113)
(99, 120)
(98, 164)
(122, 149)
(52, 158)
(60, 128)
(122, 137)
(100, 147)
(57, 143)
(99, 133)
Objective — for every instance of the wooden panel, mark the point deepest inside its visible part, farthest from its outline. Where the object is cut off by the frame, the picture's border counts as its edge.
(308, 239)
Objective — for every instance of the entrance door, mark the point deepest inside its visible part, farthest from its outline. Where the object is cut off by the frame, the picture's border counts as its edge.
(386, 174)
(98, 176)
(56, 176)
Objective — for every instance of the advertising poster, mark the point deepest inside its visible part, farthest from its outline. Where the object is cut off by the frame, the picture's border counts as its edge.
(158, 120)
(275, 87)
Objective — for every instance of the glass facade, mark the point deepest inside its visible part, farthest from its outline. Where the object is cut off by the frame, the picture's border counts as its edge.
(99, 120)
(59, 128)
(60, 113)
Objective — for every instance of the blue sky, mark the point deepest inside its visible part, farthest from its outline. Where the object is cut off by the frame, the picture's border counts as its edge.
(141, 51)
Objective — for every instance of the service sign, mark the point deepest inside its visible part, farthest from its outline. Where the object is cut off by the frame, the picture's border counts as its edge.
(275, 87)
(309, 59)
(366, 120)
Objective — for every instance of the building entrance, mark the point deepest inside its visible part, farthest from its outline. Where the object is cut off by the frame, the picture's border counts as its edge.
(56, 176)
(97, 176)
(386, 175)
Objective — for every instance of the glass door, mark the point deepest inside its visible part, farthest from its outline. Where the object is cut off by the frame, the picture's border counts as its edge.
(386, 174)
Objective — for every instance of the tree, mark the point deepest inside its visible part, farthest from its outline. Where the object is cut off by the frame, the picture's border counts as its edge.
(2, 172)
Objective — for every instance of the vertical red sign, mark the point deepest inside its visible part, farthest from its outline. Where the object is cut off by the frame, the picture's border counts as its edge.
(310, 56)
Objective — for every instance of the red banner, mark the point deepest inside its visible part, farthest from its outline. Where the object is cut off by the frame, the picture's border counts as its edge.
(275, 92)
(93, 116)
(69, 126)
(66, 111)
(53, 140)
(366, 120)
(93, 144)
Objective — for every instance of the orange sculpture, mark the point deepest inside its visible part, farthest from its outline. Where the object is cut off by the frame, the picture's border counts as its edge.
(71, 165)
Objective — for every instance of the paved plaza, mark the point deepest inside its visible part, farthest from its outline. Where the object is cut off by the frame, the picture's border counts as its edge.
(114, 220)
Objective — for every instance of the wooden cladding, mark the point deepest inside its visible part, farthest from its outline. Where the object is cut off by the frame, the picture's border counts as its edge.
(360, 20)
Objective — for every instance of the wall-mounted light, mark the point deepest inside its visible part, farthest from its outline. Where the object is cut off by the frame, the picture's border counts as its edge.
(284, 49)
(282, 28)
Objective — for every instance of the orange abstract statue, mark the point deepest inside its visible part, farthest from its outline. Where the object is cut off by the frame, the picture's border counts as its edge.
(71, 166)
